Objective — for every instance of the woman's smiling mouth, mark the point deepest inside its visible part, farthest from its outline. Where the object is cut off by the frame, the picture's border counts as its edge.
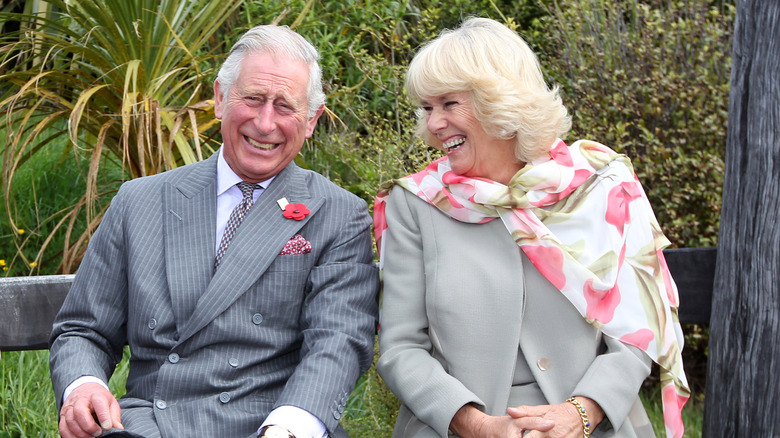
(454, 144)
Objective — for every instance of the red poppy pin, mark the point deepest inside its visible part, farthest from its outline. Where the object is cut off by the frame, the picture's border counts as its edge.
(295, 211)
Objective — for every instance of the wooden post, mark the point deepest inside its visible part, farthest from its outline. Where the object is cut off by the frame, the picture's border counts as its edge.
(743, 374)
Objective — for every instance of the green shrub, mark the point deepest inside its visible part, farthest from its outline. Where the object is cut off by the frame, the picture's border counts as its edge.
(43, 188)
(651, 80)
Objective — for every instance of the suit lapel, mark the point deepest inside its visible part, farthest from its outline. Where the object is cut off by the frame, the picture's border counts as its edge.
(190, 220)
(258, 241)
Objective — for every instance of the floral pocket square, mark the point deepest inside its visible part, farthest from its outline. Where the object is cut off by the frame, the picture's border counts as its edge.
(296, 245)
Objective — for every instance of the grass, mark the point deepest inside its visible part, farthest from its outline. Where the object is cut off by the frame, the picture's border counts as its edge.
(27, 407)
(26, 399)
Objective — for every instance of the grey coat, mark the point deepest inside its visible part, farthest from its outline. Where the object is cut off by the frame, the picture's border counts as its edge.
(214, 353)
(459, 299)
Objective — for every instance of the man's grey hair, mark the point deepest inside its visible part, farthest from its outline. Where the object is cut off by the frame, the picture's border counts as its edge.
(275, 40)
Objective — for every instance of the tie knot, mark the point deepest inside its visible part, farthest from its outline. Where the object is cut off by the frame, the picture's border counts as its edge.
(247, 188)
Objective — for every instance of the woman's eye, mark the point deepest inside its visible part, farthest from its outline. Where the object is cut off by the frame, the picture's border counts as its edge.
(427, 109)
(450, 104)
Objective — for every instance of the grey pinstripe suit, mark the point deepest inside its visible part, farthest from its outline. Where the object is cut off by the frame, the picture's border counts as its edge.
(214, 353)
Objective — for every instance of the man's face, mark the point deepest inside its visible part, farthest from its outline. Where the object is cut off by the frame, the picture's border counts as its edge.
(263, 115)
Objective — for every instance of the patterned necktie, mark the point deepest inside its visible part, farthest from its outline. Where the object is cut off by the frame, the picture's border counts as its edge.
(235, 219)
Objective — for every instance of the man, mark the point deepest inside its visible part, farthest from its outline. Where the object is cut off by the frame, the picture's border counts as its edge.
(267, 338)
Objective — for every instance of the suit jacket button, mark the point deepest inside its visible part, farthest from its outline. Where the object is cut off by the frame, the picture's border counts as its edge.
(337, 415)
(233, 362)
(543, 363)
(257, 318)
(173, 358)
(152, 324)
(224, 397)
(161, 404)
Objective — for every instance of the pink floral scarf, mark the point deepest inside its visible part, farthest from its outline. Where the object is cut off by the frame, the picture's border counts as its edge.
(583, 219)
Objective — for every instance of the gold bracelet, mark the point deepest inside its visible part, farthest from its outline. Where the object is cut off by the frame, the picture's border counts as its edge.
(583, 416)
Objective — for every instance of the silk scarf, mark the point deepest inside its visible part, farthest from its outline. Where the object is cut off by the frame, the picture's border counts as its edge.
(583, 219)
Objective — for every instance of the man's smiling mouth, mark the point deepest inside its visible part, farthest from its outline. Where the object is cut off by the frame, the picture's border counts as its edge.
(263, 146)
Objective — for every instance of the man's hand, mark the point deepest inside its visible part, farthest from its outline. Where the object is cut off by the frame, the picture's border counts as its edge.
(88, 411)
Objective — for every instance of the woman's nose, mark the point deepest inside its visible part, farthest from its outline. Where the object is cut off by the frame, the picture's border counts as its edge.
(436, 121)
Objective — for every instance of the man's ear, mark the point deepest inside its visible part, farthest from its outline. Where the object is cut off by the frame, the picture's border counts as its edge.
(218, 100)
(313, 121)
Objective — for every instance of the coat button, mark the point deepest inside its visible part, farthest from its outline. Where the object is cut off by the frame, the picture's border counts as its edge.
(224, 397)
(152, 324)
(337, 415)
(257, 318)
(173, 358)
(161, 404)
(543, 363)
(233, 362)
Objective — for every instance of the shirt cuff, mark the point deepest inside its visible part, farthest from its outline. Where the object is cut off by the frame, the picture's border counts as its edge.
(80, 381)
(299, 422)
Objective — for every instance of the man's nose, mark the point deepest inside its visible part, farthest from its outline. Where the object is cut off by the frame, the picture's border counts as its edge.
(264, 119)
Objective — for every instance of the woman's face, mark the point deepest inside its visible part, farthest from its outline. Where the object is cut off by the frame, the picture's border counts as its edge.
(471, 151)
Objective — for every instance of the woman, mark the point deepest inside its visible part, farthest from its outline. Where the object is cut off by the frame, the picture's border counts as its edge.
(525, 289)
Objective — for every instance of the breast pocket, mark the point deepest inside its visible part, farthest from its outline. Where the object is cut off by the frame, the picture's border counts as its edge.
(290, 272)
(292, 263)
(280, 291)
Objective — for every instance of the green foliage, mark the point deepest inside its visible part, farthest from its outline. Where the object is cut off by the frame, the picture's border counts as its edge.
(27, 407)
(651, 80)
(372, 408)
(43, 188)
(123, 81)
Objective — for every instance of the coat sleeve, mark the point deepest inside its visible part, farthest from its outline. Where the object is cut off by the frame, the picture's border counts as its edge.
(88, 334)
(613, 381)
(406, 362)
(339, 315)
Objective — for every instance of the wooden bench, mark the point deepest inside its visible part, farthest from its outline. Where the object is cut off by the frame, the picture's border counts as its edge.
(693, 269)
(28, 305)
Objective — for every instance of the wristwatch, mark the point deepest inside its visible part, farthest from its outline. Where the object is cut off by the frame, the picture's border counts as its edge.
(274, 431)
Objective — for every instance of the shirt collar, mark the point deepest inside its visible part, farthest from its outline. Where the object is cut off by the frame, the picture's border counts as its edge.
(226, 178)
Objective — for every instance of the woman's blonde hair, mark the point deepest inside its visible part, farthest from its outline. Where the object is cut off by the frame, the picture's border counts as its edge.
(495, 65)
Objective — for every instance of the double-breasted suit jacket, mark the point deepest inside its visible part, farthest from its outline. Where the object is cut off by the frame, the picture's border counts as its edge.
(212, 353)
(463, 310)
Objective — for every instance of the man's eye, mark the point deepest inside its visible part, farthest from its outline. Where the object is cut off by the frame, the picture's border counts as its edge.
(284, 108)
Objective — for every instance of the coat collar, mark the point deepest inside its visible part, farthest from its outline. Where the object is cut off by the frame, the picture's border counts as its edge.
(257, 243)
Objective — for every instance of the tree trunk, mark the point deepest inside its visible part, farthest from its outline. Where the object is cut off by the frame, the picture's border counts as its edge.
(743, 375)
